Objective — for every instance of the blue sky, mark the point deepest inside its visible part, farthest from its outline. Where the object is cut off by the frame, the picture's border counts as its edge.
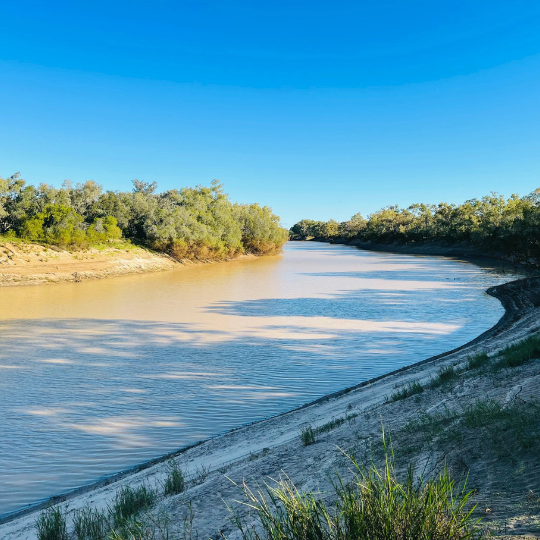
(318, 109)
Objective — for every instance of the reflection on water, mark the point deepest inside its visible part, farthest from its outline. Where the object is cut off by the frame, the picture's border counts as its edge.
(99, 376)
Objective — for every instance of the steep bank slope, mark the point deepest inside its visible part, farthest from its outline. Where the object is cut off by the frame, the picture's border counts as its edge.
(435, 248)
(33, 264)
(429, 429)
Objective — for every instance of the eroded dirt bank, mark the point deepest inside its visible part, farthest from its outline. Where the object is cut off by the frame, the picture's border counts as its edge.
(501, 458)
(33, 264)
(440, 248)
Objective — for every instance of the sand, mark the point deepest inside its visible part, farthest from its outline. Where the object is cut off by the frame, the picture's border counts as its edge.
(34, 264)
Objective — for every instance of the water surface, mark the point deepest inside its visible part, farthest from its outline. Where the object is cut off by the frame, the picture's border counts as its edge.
(101, 375)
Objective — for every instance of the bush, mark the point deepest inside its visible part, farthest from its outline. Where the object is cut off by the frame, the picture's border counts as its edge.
(103, 229)
(62, 226)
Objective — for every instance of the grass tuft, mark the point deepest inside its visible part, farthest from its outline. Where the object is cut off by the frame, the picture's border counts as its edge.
(507, 427)
(445, 375)
(410, 389)
(51, 525)
(329, 426)
(90, 524)
(131, 501)
(175, 482)
(307, 436)
(520, 353)
(477, 361)
(375, 505)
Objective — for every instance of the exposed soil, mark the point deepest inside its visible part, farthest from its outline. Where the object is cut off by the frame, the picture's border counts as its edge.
(33, 264)
(428, 429)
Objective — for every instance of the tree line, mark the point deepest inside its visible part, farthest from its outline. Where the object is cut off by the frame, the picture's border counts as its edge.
(199, 222)
(493, 224)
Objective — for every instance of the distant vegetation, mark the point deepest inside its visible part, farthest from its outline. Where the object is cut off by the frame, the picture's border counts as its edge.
(199, 222)
(510, 227)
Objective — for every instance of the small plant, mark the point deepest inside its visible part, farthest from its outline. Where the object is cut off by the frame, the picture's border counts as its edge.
(201, 474)
(429, 427)
(477, 361)
(412, 388)
(90, 524)
(51, 525)
(483, 413)
(329, 426)
(131, 501)
(375, 505)
(149, 528)
(307, 436)
(444, 376)
(175, 482)
(520, 353)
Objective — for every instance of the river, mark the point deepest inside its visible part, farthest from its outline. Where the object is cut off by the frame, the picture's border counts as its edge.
(101, 375)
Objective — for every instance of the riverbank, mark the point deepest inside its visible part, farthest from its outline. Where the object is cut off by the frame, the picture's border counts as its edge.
(428, 428)
(436, 248)
(33, 264)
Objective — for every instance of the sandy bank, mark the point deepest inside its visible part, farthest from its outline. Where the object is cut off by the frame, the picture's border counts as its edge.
(255, 452)
(33, 264)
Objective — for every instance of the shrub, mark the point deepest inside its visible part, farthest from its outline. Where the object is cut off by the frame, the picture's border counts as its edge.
(51, 525)
(103, 229)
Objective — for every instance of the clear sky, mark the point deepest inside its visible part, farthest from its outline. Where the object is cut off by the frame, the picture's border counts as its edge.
(318, 109)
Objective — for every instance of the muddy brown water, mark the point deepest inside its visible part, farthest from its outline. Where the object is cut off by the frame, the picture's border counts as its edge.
(99, 376)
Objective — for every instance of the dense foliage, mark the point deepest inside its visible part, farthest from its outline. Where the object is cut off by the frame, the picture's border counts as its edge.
(510, 227)
(198, 222)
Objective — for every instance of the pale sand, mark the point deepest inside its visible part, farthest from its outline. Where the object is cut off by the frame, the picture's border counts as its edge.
(33, 264)
(258, 451)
